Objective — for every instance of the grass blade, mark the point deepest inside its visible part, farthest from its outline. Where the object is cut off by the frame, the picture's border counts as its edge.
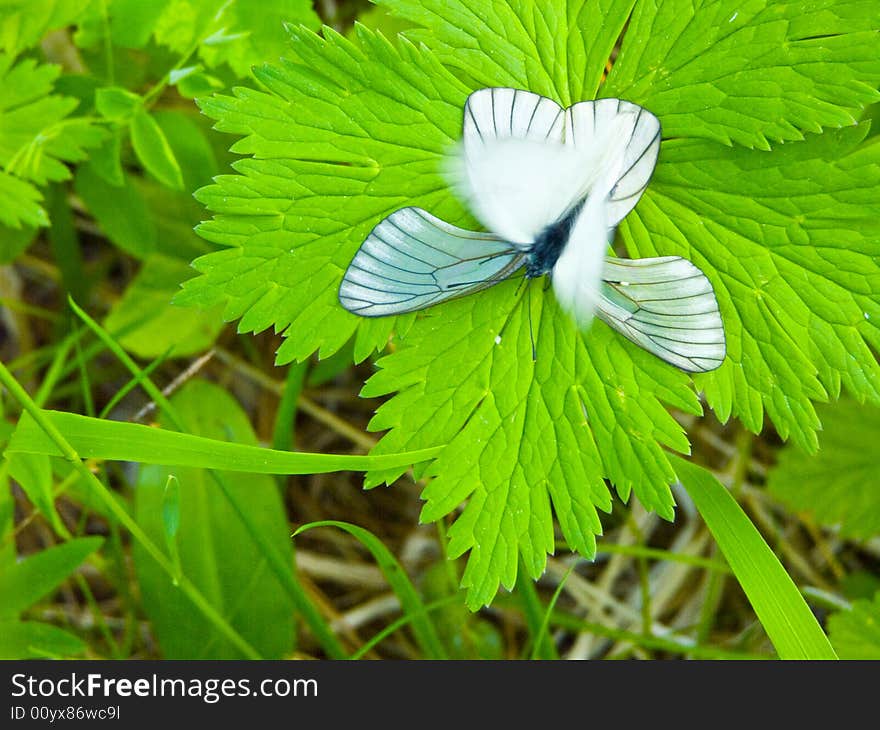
(535, 614)
(778, 604)
(541, 633)
(410, 601)
(34, 640)
(29, 580)
(94, 438)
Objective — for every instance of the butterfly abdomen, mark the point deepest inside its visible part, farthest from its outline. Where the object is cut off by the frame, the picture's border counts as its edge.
(548, 246)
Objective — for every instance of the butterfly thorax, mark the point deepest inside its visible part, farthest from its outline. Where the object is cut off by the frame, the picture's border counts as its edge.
(549, 243)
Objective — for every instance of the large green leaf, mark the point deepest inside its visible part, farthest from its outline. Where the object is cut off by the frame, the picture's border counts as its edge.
(345, 132)
(216, 553)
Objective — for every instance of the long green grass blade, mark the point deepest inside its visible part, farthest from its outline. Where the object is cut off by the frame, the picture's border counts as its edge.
(778, 604)
(542, 646)
(94, 438)
(410, 601)
(545, 620)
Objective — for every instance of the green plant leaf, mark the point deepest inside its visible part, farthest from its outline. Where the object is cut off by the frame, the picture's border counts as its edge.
(34, 640)
(24, 22)
(785, 236)
(174, 213)
(238, 33)
(33, 473)
(778, 604)
(838, 486)
(153, 150)
(215, 551)
(855, 632)
(29, 580)
(37, 135)
(120, 211)
(116, 104)
(20, 209)
(728, 70)
(151, 324)
(93, 438)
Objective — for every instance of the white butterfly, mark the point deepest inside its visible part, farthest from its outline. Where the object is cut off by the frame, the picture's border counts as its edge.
(551, 185)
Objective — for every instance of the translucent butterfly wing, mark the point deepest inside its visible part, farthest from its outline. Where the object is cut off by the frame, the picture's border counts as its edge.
(412, 260)
(592, 124)
(577, 274)
(501, 113)
(526, 162)
(667, 306)
(514, 170)
(621, 141)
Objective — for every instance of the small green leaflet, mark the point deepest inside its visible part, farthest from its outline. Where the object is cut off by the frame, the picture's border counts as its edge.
(20, 204)
(36, 138)
(344, 132)
(153, 150)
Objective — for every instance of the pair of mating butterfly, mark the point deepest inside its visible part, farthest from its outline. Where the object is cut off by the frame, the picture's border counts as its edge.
(551, 186)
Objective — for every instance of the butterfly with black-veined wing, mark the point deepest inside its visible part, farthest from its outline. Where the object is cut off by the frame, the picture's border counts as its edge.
(551, 185)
